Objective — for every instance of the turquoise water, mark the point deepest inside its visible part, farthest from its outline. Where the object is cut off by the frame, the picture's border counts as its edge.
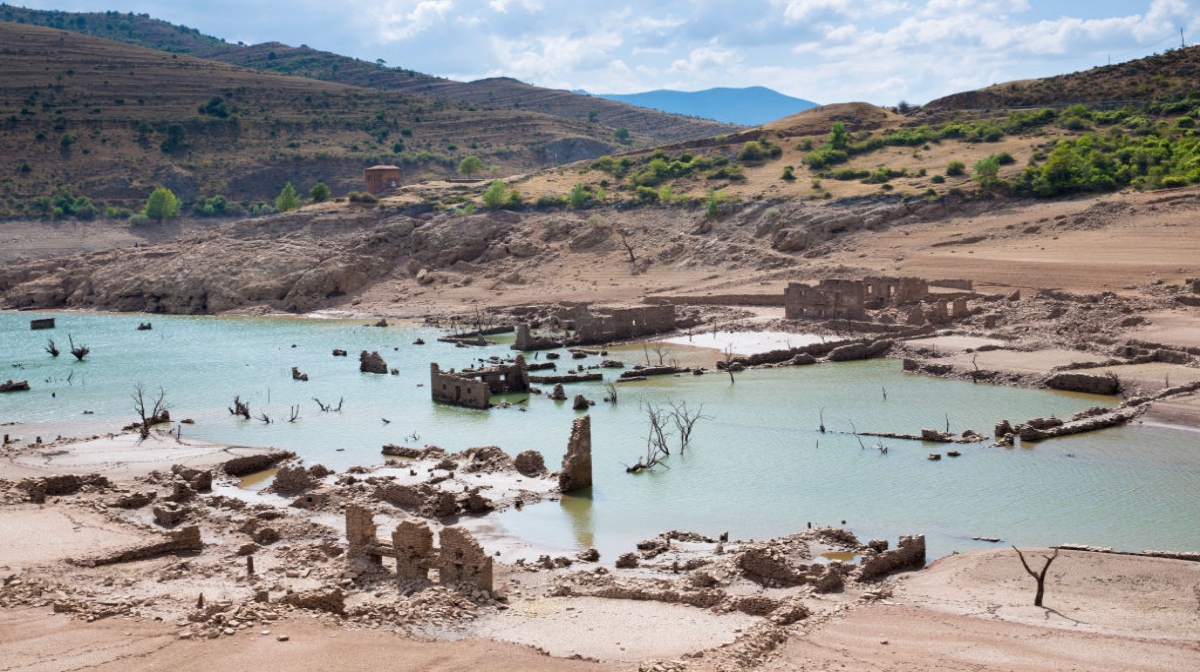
(757, 468)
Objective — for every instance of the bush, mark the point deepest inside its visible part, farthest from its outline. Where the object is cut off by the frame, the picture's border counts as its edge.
(319, 193)
(362, 198)
(956, 168)
(825, 156)
(788, 173)
(161, 204)
(752, 151)
(580, 198)
(937, 179)
(139, 220)
(66, 140)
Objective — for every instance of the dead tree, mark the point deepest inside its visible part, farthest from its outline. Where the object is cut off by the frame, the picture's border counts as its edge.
(51, 348)
(822, 415)
(80, 351)
(729, 362)
(628, 247)
(661, 352)
(240, 407)
(1040, 577)
(657, 446)
(685, 421)
(330, 408)
(610, 393)
(264, 418)
(295, 414)
(151, 412)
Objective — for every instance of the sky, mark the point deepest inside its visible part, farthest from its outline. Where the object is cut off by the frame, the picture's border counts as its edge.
(827, 51)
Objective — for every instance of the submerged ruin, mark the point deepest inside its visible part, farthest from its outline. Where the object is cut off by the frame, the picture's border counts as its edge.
(459, 560)
(473, 388)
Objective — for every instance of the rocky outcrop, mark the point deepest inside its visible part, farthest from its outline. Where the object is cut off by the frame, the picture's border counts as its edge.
(530, 463)
(855, 351)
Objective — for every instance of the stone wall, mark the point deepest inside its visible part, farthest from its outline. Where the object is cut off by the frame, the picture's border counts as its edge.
(450, 388)
(908, 554)
(186, 540)
(474, 388)
(621, 324)
(461, 560)
(838, 298)
(576, 471)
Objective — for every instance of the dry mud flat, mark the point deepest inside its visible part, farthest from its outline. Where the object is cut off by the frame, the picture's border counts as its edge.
(73, 597)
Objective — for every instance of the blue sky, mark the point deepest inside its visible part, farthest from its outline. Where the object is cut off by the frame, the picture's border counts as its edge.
(879, 51)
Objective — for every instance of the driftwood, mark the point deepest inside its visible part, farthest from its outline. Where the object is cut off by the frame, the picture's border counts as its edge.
(51, 347)
(80, 351)
(240, 407)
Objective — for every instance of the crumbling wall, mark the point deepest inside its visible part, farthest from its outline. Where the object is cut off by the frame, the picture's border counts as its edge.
(576, 471)
(832, 298)
(415, 555)
(908, 554)
(360, 534)
(54, 486)
(462, 560)
(525, 340)
(186, 540)
(449, 388)
(621, 324)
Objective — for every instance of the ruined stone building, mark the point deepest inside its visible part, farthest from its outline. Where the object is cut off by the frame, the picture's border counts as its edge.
(382, 178)
(459, 560)
(604, 325)
(846, 299)
(474, 388)
(576, 471)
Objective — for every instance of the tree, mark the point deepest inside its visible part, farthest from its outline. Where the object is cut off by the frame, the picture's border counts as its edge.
(469, 165)
(287, 199)
(1040, 577)
(621, 134)
(839, 137)
(154, 414)
(162, 204)
(319, 193)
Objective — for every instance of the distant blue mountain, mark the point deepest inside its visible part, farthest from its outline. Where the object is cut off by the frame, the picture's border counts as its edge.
(751, 106)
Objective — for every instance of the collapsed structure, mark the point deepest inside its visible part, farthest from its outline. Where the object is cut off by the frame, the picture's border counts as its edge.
(847, 299)
(459, 560)
(473, 388)
(576, 471)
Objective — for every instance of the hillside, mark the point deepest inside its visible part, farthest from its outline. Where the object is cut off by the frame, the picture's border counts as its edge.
(111, 121)
(303, 61)
(1169, 76)
(749, 106)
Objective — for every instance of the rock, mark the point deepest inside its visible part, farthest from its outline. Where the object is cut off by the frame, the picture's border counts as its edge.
(559, 394)
(169, 514)
(530, 463)
(372, 363)
(1084, 382)
(581, 403)
(627, 561)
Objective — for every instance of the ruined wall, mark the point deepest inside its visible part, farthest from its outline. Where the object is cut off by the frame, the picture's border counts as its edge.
(452, 389)
(415, 555)
(576, 471)
(360, 534)
(462, 560)
(527, 341)
(832, 298)
(620, 324)
(908, 554)
(186, 540)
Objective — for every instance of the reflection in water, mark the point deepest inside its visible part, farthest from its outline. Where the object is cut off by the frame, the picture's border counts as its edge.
(578, 507)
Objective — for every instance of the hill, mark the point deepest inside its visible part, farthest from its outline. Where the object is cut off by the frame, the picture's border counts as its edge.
(111, 121)
(750, 106)
(1169, 76)
(303, 61)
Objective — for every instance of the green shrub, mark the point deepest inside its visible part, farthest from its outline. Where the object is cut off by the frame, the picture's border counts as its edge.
(139, 220)
(956, 168)
(752, 152)
(647, 194)
(820, 158)
(937, 179)
(161, 204)
(288, 199)
(361, 197)
(319, 193)
(788, 174)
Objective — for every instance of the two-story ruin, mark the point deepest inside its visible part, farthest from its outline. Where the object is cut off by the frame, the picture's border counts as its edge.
(474, 388)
